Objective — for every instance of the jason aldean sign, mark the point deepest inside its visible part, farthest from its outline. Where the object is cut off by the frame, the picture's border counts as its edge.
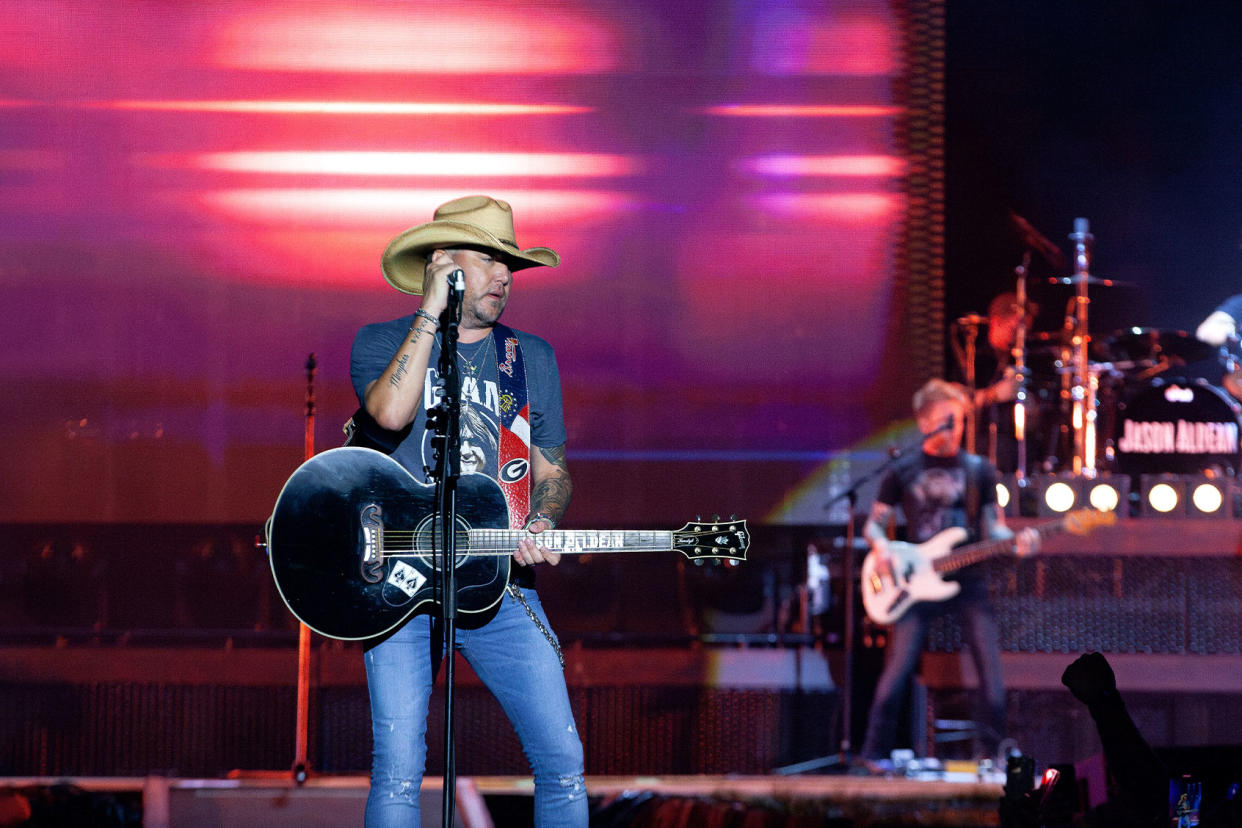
(1180, 436)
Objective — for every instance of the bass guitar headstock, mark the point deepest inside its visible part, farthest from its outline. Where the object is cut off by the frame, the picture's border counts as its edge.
(719, 541)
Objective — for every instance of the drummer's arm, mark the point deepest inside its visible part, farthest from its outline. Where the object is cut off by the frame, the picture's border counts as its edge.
(1003, 390)
(1217, 328)
(1222, 323)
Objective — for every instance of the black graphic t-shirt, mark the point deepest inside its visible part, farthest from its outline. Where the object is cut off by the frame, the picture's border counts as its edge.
(934, 493)
(481, 397)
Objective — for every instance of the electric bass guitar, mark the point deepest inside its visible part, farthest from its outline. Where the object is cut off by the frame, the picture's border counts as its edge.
(354, 543)
(913, 572)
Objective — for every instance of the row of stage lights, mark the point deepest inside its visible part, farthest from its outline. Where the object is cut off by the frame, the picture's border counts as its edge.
(1205, 495)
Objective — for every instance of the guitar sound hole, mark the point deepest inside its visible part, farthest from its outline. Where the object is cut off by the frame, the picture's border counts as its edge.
(428, 543)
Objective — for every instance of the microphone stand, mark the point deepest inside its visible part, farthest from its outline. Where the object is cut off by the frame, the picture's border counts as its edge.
(301, 765)
(844, 755)
(447, 442)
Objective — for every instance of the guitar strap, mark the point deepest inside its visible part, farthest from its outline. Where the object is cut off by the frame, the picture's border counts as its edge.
(513, 462)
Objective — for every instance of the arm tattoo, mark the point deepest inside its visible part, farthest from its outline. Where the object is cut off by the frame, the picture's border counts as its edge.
(551, 495)
(555, 455)
(399, 374)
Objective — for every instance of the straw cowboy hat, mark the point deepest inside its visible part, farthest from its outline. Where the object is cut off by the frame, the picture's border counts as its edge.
(472, 220)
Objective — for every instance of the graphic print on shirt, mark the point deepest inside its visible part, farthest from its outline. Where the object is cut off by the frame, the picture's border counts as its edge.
(935, 501)
(480, 423)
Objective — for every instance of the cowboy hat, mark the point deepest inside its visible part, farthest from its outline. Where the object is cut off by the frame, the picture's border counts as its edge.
(471, 220)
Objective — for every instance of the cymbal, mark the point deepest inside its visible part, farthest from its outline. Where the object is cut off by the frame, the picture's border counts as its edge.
(1157, 345)
(1090, 280)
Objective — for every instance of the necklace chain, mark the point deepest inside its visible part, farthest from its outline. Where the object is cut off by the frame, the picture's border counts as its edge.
(483, 346)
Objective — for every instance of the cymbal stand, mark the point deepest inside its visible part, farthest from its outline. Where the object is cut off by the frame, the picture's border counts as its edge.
(1084, 386)
(963, 336)
(1019, 366)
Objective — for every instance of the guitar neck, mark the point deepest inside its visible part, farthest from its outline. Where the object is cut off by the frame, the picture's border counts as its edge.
(572, 541)
(978, 552)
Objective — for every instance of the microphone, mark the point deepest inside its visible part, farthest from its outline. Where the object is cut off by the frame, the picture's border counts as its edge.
(457, 280)
(947, 425)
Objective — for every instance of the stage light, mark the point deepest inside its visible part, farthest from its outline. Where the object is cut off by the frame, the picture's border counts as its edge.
(1060, 496)
(1008, 492)
(1057, 494)
(1108, 493)
(1051, 495)
(1163, 495)
(1207, 498)
(1209, 495)
(1103, 498)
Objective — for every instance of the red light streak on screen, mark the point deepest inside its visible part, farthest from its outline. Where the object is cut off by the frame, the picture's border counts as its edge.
(340, 107)
(402, 164)
(803, 110)
(816, 166)
(852, 208)
(320, 204)
(351, 227)
(832, 39)
(441, 39)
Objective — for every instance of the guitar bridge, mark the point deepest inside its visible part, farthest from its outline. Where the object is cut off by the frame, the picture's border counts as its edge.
(372, 564)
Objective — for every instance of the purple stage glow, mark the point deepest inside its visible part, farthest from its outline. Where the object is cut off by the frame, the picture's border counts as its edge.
(194, 197)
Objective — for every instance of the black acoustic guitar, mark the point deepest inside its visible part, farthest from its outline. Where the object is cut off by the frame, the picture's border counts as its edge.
(353, 537)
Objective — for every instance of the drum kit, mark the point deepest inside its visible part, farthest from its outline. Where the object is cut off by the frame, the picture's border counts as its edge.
(1134, 401)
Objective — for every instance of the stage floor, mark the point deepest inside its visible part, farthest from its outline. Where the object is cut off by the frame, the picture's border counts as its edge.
(274, 799)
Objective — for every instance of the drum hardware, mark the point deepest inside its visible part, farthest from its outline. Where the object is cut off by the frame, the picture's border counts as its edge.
(1154, 346)
(1080, 388)
(1037, 241)
(1019, 353)
(1178, 427)
(1233, 370)
(1090, 280)
(1233, 383)
(966, 354)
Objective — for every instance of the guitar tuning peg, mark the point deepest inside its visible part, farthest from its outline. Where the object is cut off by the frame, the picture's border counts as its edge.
(698, 518)
(734, 562)
(716, 561)
(716, 518)
(733, 517)
(698, 561)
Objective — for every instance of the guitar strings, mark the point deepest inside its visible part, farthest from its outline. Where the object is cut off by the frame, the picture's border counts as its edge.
(422, 544)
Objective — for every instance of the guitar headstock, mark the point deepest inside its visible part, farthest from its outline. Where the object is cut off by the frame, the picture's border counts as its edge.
(1082, 521)
(718, 540)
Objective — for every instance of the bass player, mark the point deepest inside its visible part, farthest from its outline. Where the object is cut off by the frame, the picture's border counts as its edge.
(938, 488)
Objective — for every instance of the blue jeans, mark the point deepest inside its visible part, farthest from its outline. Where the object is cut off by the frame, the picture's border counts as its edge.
(519, 666)
(981, 634)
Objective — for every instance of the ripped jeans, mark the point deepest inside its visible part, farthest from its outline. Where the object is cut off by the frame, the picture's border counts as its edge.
(518, 665)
